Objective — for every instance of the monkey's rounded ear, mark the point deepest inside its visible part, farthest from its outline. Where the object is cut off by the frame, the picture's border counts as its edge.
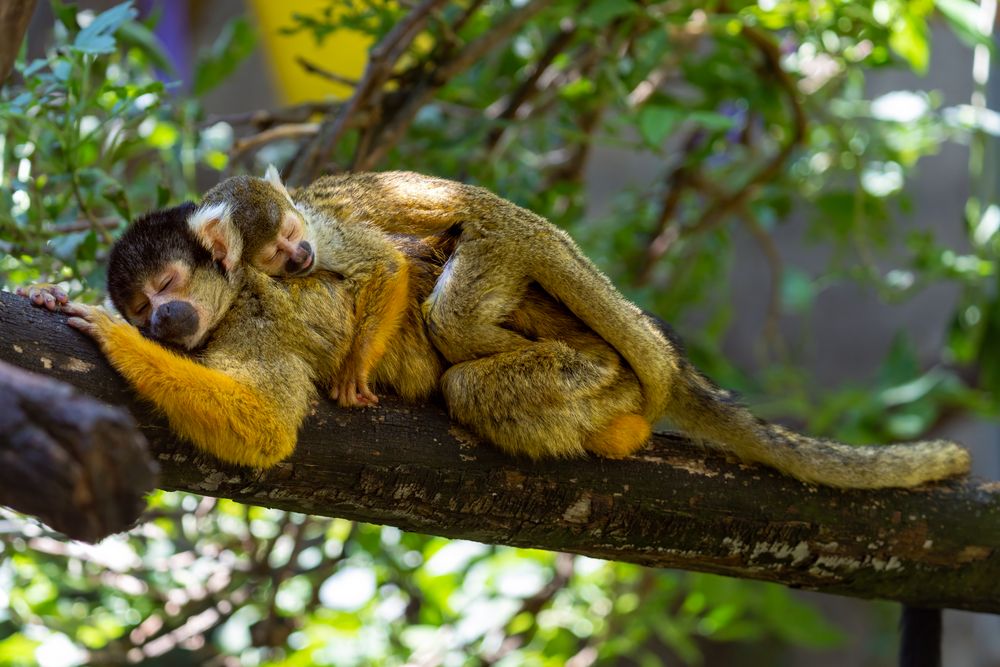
(274, 178)
(213, 227)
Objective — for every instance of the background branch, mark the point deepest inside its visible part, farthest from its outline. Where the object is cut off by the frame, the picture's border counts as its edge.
(14, 18)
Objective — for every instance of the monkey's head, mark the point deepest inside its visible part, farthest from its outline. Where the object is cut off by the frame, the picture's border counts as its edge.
(255, 220)
(162, 280)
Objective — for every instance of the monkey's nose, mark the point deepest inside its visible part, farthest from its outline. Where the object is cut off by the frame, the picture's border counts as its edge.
(300, 262)
(173, 321)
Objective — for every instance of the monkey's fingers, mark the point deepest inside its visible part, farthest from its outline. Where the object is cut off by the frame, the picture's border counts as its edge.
(84, 326)
(365, 394)
(81, 311)
(350, 396)
(45, 295)
(347, 396)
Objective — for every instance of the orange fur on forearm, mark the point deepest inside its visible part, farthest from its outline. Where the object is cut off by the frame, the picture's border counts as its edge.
(381, 304)
(233, 421)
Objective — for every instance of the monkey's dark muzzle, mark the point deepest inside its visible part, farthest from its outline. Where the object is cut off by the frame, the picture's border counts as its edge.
(174, 321)
(301, 262)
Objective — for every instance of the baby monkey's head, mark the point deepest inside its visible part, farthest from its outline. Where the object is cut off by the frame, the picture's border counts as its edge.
(255, 219)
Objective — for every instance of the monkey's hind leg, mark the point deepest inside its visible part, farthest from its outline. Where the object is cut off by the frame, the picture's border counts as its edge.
(477, 290)
(548, 400)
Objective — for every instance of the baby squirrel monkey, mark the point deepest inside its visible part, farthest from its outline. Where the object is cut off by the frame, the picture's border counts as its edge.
(271, 234)
(507, 257)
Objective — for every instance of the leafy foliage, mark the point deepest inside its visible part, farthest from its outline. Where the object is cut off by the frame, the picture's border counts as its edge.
(756, 111)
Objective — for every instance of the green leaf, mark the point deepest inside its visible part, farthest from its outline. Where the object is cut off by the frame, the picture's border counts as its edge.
(909, 38)
(18, 650)
(236, 41)
(140, 37)
(712, 121)
(963, 17)
(656, 122)
(797, 291)
(62, 69)
(901, 365)
(98, 37)
(65, 247)
(604, 11)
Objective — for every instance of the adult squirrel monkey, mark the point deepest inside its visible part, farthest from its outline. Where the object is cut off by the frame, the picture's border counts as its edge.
(269, 234)
(506, 256)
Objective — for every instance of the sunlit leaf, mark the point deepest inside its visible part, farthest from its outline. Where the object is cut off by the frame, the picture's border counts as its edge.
(233, 45)
(98, 36)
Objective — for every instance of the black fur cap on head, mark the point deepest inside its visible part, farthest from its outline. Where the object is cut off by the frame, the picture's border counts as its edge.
(258, 213)
(150, 242)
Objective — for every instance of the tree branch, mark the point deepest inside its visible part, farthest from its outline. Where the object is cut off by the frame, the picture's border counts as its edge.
(674, 505)
(76, 463)
(15, 15)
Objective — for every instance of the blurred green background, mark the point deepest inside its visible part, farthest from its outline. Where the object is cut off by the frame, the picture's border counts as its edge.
(807, 190)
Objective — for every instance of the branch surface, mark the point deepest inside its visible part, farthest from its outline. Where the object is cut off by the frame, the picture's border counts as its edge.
(674, 505)
(15, 15)
(78, 464)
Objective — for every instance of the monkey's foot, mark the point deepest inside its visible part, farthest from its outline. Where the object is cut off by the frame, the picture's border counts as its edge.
(623, 436)
(44, 295)
(353, 392)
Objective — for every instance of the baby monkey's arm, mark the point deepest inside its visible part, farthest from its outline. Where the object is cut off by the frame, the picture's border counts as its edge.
(379, 274)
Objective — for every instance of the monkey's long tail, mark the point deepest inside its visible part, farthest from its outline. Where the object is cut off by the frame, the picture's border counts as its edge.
(563, 271)
(705, 412)
(673, 388)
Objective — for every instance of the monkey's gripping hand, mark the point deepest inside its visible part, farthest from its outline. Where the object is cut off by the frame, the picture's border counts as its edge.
(44, 295)
(231, 418)
(95, 322)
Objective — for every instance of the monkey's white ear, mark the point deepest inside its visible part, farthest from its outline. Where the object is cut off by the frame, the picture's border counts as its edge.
(274, 178)
(212, 225)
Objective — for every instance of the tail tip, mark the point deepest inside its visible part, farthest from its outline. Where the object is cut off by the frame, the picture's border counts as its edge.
(623, 436)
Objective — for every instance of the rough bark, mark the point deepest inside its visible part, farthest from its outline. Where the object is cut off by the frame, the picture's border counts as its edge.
(76, 463)
(14, 18)
(674, 505)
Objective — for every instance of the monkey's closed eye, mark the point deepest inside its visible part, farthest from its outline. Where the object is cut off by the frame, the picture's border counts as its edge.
(166, 284)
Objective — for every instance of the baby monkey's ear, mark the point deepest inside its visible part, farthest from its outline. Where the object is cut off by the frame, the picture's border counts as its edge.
(212, 225)
(274, 178)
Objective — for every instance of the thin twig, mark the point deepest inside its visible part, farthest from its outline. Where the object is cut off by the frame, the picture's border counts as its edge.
(262, 119)
(394, 129)
(277, 133)
(532, 605)
(84, 225)
(529, 87)
(313, 68)
(668, 228)
(717, 211)
(381, 60)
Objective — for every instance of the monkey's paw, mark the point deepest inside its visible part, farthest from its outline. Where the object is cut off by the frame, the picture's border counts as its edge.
(44, 295)
(352, 392)
(91, 320)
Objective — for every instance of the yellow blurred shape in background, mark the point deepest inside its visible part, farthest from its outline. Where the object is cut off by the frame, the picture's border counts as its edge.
(343, 52)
